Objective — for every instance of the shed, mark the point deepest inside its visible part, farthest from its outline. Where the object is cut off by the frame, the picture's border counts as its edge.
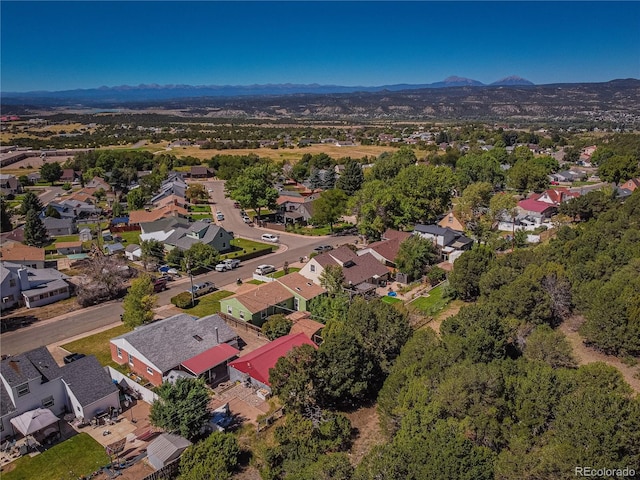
(114, 248)
(166, 448)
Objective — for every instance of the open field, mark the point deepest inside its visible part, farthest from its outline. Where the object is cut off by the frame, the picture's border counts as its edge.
(31, 164)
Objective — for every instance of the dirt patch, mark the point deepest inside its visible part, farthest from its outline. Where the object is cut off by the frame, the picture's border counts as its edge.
(138, 471)
(452, 309)
(23, 317)
(585, 354)
(368, 433)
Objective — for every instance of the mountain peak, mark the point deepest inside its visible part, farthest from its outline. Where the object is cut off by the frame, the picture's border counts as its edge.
(512, 80)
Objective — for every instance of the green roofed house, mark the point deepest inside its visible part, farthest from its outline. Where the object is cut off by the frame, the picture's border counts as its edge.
(284, 295)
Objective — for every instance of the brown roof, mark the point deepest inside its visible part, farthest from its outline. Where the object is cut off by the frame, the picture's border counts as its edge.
(303, 324)
(142, 216)
(263, 296)
(356, 269)
(301, 286)
(19, 252)
(391, 234)
(170, 200)
(389, 248)
(68, 244)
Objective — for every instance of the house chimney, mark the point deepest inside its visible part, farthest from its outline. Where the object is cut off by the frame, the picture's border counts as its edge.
(23, 276)
(217, 337)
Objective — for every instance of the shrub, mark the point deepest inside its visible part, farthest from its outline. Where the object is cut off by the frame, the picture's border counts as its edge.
(182, 300)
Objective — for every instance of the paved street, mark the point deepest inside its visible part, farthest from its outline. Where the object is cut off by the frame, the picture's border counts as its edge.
(292, 248)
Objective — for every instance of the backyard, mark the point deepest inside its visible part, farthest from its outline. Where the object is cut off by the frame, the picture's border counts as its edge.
(208, 304)
(431, 303)
(77, 457)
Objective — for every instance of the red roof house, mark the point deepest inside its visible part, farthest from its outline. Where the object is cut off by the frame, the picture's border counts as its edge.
(256, 365)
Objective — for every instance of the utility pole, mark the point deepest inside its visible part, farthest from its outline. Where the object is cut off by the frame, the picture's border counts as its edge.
(193, 300)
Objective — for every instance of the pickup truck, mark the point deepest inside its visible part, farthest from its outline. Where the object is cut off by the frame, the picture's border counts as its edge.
(228, 264)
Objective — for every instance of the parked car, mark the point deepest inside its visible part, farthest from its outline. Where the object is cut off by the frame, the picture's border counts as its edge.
(246, 219)
(236, 205)
(269, 237)
(322, 248)
(159, 284)
(199, 289)
(232, 262)
(222, 267)
(265, 269)
(219, 216)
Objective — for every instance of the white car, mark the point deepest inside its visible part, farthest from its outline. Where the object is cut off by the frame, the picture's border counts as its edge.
(264, 269)
(269, 237)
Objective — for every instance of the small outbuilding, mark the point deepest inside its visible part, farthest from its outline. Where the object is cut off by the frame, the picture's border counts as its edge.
(165, 449)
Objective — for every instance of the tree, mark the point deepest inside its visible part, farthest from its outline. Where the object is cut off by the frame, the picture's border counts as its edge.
(501, 205)
(200, 255)
(5, 217)
(253, 188)
(376, 207)
(152, 252)
(35, 233)
(468, 268)
(51, 212)
(388, 166)
(214, 458)
(181, 407)
(292, 378)
(329, 207)
(351, 179)
(549, 346)
(276, 326)
(423, 192)
(527, 176)
(472, 168)
(414, 255)
(619, 168)
(100, 194)
(30, 201)
(117, 209)
(139, 302)
(106, 276)
(196, 193)
(332, 279)
(51, 172)
(472, 205)
(136, 199)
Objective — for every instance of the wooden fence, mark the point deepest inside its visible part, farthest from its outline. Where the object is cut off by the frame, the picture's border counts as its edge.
(241, 324)
(168, 472)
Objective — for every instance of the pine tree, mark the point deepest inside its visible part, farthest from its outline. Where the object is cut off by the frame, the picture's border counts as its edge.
(5, 217)
(351, 179)
(35, 233)
(30, 201)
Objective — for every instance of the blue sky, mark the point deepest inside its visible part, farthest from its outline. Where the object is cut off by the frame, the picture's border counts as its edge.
(66, 45)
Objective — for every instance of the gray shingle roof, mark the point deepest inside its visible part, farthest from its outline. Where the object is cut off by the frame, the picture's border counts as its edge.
(51, 222)
(37, 363)
(169, 342)
(6, 405)
(88, 380)
(46, 288)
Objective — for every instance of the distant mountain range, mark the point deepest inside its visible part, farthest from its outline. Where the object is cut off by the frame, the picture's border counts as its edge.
(151, 92)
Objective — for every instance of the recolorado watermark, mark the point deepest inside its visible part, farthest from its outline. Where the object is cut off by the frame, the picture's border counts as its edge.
(604, 472)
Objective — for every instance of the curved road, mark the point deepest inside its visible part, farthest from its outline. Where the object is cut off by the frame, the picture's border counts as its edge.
(292, 247)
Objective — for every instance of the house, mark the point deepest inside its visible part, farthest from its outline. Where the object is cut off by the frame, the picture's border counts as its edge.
(302, 323)
(171, 200)
(450, 220)
(98, 183)
(85, 235)
(200, 172)
(197, 346)
(33, 380)
(68, 175)
(69, 248)
(133, 252)
(302, 288)
(631, 184)
(59, 226)
(539, 212)
(9, 184)
(166, 448)
(174, 185)
(114, 248)
(386, 250)
(357, 269)
(33, 287)
(449, 243)
(23, 254)
(255, 304)
(199, 232)
(555, 196)
(137, 217)
(161, 229)
(294, 207)
(254, 367)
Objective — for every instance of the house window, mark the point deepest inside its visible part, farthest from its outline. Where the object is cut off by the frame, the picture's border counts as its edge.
(22, 389)
(242, 314)
(12, 282)
(224, 245)
(47, 402)
(263, 314)
(130, 359)
(119, 352)
(312, 267)
(229, 309)
(149, 371)
(296, 303)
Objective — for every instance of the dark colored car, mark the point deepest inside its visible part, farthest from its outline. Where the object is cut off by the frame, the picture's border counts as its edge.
(322, 248)
(73, 357)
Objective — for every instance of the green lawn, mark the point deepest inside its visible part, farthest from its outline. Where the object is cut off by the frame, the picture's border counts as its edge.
(200, 208)
(431, 304)
(318, 231)
(98, 345)
(255, 282)
(129, 237)
(66, 238)
(200, 216)
(79, 456)
(208, 304)
(391, 300)
(280, 273)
